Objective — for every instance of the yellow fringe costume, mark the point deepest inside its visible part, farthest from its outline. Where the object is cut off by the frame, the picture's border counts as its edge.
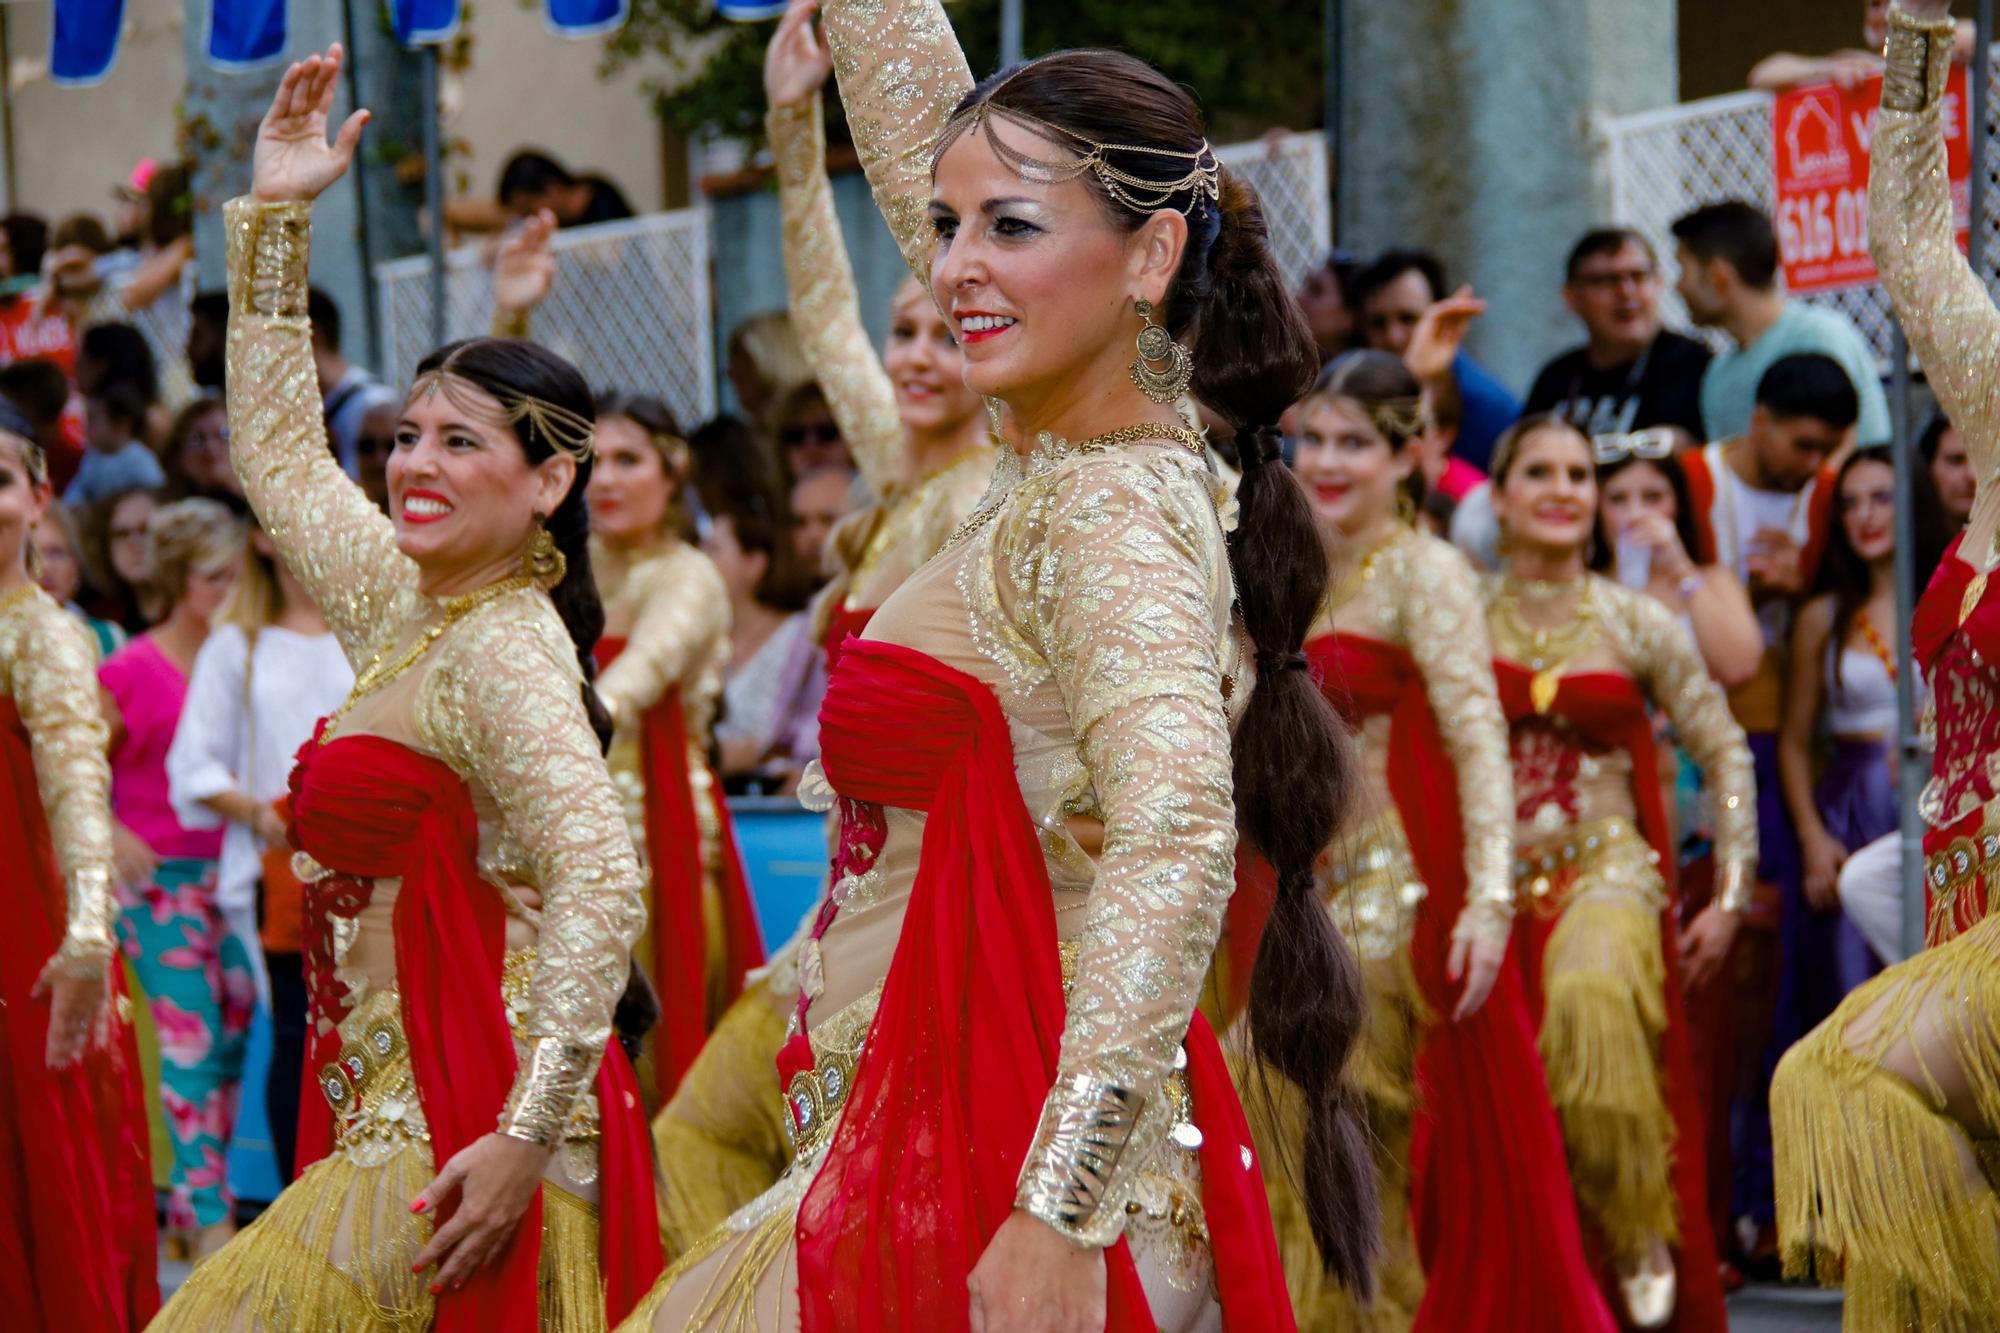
(1883, 1116)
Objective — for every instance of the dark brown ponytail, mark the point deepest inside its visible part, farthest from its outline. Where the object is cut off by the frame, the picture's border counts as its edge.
(1253, 358)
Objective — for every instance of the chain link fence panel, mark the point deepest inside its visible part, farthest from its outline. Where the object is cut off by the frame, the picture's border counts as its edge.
(1668, 162)
(631, 308)
(1289, 175)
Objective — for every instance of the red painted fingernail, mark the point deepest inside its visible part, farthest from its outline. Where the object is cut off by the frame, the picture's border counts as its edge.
(436, 1287)
(416, 1268)
(418, 1206)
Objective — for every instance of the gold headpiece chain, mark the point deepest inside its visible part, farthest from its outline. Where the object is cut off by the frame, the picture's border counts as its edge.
(1202, 180)
(568, 431)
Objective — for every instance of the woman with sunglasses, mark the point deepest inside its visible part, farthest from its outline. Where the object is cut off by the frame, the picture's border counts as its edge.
(1400, 650)
(1581, 662)
(1882, 1116)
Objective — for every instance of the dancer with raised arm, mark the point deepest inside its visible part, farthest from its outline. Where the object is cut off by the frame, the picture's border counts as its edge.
(1883, 1117)
(1007, 1115)
(77, 1244)
(477, 1155)
(1581, 663)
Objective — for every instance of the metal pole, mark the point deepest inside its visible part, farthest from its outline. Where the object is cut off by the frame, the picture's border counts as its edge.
(370, 298)
(1981, 79)
(1333, 52)
(1913, 764)
(1010, 32)
(434, 192)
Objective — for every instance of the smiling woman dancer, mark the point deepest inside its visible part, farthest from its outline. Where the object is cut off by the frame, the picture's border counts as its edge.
(1581, 661)
(77, 1249)
(975, 1149)
(1884, 1116)
(471, 892)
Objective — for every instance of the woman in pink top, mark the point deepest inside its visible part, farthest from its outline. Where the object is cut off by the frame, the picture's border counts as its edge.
(195, 974)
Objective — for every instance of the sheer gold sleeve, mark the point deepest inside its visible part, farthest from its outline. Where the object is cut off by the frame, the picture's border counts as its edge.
(901, 72)
(1120, 583)
(1444, 627)
(1943, 305)
(826, 312)
(1667, 664)
(503, 706)
(683, 615)
(339, 544)
(51, 671)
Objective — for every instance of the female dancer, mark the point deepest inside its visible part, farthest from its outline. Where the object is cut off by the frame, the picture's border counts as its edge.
(967, 1138)
(77, 1249)
(1884, 1115)
(194, 965)
(1579, 661)
(1842, 665)
(471, 891)
(1401, 652)
(270, 671)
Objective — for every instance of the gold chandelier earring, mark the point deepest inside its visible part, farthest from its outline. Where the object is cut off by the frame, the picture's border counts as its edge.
(544, 561)
(1155, 345)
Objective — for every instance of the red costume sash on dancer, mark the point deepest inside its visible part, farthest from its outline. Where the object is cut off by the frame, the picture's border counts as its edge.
(1957, 647)
(1608, 711)
(1492, 1209)
(77, 1244)
(369, 809)
(962, 1052)
(846, 622)
(679, 926)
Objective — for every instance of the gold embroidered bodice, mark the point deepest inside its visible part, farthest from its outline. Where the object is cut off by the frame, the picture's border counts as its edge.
(496, 697)
(48, 666)
(1561, 781)
(1418, 594)
(912, 515)
(1954, 330)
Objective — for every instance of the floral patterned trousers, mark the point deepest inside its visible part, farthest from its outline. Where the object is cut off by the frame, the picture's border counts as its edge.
(196, 976)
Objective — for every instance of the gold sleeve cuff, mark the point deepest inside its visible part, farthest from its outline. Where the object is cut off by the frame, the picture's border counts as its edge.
(553, 1075)
(798, 141)
(1734, 883)
(269, 246)
(1918, 55)
(1488, 913)
(88, 940)
(1086, 1123)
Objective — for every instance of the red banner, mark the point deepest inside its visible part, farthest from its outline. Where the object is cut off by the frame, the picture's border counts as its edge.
(1820, 138)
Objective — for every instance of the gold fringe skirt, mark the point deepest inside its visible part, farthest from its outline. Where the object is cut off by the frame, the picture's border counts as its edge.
(1604, 1012)
(1877, 1185)
(333, 1255)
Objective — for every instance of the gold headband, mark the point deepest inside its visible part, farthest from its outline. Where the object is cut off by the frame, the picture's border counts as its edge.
(568, 431)
(1202, 180)
(1400, 418)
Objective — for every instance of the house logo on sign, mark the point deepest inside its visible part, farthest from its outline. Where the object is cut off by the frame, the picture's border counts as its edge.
(1813, 141)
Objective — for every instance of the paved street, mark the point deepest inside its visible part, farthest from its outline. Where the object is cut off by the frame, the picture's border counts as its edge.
(1784, 1310)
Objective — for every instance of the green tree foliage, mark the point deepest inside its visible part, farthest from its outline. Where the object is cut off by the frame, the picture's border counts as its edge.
(1250, 65)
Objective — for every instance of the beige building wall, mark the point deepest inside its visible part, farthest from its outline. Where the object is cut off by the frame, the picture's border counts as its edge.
(526, 87)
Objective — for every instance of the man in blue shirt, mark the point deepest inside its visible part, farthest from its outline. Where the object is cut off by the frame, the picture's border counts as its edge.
(1394, 292)
(1728, 256)
(115, 459)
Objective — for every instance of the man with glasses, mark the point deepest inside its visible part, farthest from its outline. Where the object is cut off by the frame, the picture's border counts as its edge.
(1631, 373)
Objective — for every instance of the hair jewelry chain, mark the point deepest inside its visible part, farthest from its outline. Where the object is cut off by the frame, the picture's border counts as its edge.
(1202, 180)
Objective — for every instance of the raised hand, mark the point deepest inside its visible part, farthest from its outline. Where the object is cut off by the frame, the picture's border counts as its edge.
(797, 62)
(524, 267)
(293, 161)
(1434, 343)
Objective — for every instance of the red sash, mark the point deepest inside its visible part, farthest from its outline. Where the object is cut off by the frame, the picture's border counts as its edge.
(77, 1244)
(963, 1049)
(1608, 710)
(370, 808)
(846, 620)
(1494, 1216)
(678, 923)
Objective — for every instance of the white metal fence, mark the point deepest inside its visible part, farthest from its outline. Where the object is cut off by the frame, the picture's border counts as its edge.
(631, 308)
(1666, 163)
(1289, 175)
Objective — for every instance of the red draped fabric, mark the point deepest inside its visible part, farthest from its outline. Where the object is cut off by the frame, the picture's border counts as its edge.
(370, 809)
(674, 851)
(77, 1244)
(846, 621)
(962, 1052)
(1609, 711)
(1957, 647)
(1494, 1215)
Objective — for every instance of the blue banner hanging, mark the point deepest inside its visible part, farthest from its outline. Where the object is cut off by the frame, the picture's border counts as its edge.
(86, 40)
(749, 11)
(243, 34)
(424, 22)
(587, 18)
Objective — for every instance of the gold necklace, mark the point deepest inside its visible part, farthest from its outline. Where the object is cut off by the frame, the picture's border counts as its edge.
(1547, 652)
(1361, 574)
(1190, 440)
(376, 674)
(8, 601)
